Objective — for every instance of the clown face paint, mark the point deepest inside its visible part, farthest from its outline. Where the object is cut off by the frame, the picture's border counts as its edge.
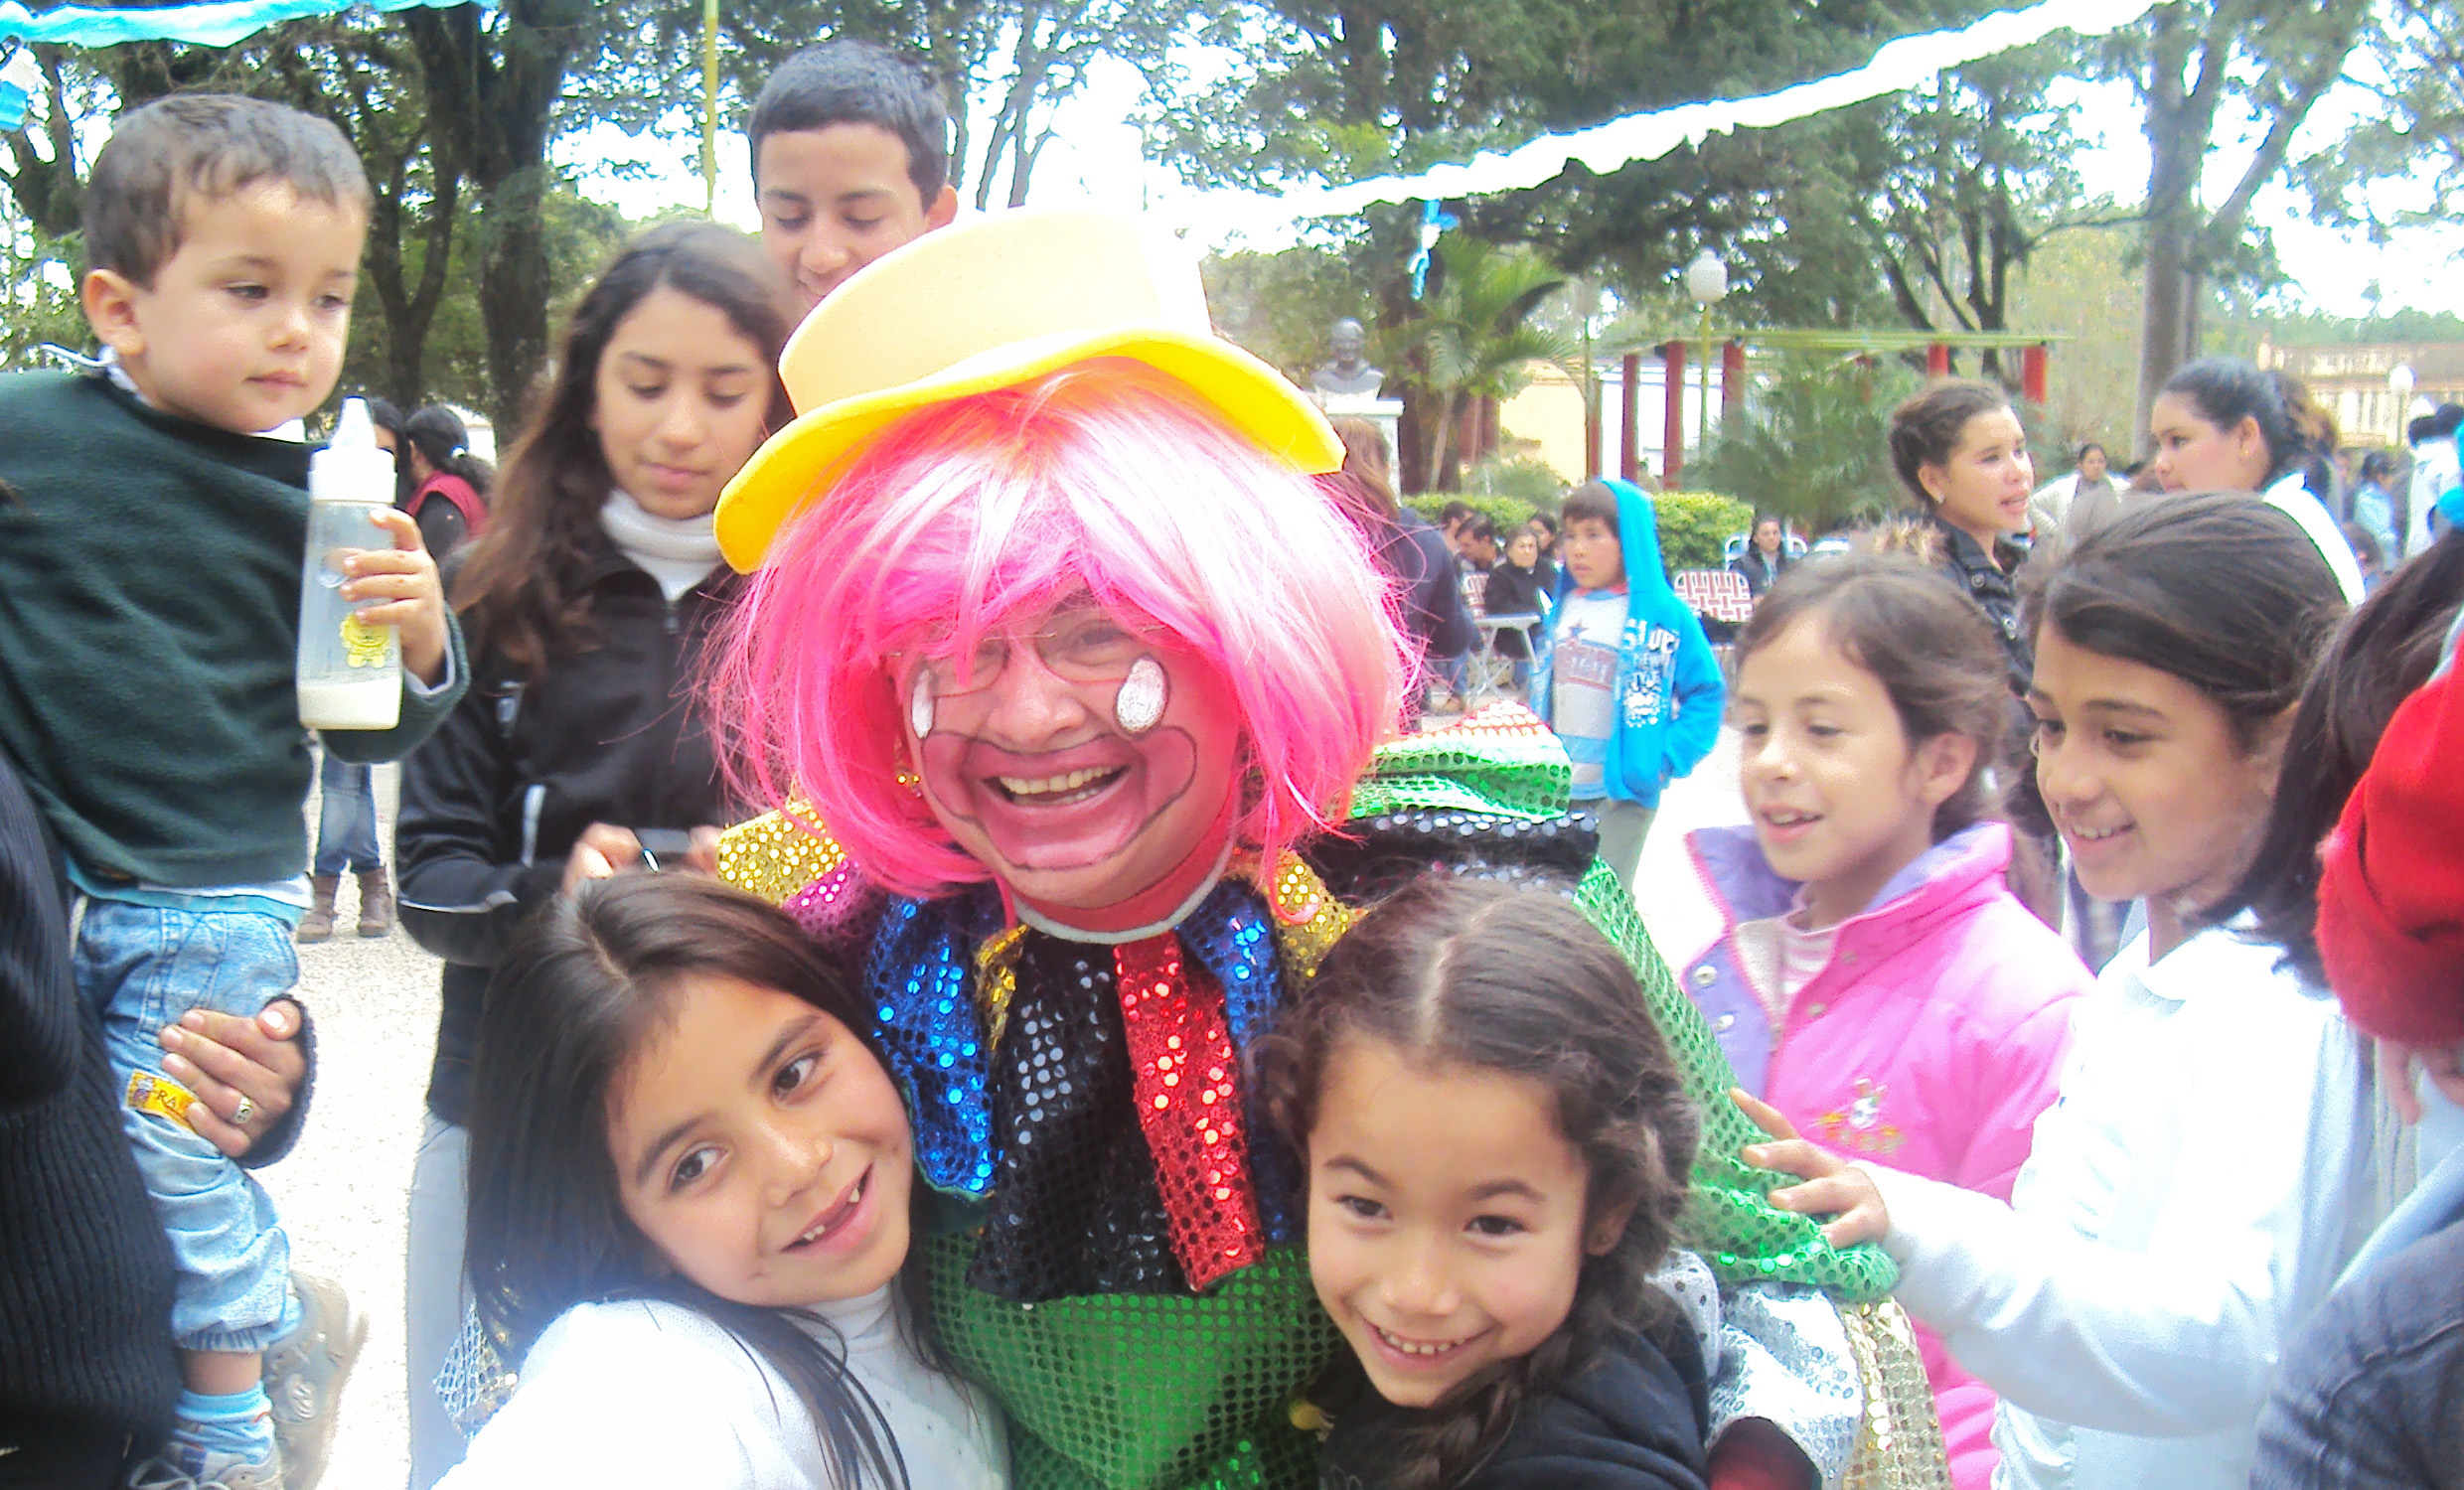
(1088, 763)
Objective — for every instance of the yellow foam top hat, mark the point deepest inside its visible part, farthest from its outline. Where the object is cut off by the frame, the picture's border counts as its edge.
(985, 305)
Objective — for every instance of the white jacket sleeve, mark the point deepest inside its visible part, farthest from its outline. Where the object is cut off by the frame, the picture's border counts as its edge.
(626, 1397)
(2236, 1216)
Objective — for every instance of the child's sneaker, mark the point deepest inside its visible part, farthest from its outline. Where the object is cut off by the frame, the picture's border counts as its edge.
(304, 1375)
(208, 1472)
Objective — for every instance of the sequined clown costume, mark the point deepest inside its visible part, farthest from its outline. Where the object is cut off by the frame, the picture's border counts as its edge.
(1124, 1271)
(1064, 677)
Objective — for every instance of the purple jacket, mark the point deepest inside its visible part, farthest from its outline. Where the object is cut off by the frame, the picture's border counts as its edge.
(1929, 1042)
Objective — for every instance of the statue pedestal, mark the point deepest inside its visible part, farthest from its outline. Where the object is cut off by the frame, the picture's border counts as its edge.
(1385, 413)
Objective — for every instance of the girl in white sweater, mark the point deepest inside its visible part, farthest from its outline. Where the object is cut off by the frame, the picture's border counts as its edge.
(691, 1181)
(2208, 1168)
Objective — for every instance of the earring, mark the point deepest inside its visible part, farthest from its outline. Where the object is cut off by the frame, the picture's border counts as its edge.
(920, 705)
(1140, 703)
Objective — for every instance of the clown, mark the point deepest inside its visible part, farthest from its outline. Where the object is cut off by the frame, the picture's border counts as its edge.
(1072, 694)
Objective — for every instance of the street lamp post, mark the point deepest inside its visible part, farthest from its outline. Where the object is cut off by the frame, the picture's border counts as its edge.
(1706, 279)
(2400, 393)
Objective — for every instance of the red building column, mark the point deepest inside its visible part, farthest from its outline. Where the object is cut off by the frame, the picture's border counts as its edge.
(2032, 368)
(1937, 361)
(1732, 376)
(1672, 433)
(1630, 416)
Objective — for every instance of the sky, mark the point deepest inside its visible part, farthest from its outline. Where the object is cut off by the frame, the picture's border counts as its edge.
(1096, 159)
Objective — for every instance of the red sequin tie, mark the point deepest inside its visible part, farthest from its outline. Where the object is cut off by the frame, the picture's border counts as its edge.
(1189, 1101)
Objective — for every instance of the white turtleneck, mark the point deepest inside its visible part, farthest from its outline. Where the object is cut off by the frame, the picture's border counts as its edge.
(679, 553)
(642, 1395)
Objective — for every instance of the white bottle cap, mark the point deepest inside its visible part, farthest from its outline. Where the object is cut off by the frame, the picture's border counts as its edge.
(353, 468)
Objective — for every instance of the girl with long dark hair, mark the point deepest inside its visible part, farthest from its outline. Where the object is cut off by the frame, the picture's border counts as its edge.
(579, 752)
(2222, 424)
(2212, 1162)
(692, 1185)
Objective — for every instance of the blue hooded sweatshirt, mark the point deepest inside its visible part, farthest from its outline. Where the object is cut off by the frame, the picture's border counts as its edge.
(1668, 690)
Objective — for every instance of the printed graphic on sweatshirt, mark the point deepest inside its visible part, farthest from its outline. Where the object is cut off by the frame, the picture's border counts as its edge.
(1655, 677)
(1581, 691)
(1859, 1125)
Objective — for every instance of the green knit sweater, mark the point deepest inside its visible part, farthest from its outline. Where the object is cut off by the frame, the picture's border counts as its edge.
(149, 626)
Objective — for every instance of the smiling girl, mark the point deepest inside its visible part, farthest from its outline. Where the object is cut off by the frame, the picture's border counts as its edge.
(587, 603)
(1878, 983)
(2208, 1169)
(690, 1180)
(1498, 1146)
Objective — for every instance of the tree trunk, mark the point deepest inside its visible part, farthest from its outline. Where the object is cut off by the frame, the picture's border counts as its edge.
(514, 290)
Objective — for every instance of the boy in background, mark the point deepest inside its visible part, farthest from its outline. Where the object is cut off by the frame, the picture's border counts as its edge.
(1630, 684)
(150, 556)
(851, 147)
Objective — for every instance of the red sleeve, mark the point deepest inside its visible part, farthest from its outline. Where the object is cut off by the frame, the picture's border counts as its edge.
(2392, 880)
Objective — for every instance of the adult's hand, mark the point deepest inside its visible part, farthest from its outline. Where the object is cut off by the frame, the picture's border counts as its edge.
(226, 1060)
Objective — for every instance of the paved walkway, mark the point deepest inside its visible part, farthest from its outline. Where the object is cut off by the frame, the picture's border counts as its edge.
(342, 1192)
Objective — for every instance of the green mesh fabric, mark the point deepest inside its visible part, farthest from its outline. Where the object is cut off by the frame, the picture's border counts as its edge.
(1731, 1225)
(1145, 1392)
(1500, 761)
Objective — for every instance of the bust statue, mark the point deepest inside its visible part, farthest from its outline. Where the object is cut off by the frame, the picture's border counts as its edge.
(1349, 374)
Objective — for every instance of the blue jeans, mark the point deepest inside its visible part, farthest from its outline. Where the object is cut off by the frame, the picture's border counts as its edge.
(346, 821)
(142, 967)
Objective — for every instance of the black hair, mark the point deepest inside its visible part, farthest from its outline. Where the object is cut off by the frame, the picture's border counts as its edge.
(2218, 588)
(2298, 434)
(859, 83)
(1934, 654)
(2385, 651)
(2084, 449)
(1595, 501)
(1452, 512)
(1509, 979)
(593, 977)
(1477, 526)
(525, 580)
(445, 444)
(1762, 518)
(381, 414)
(174, 151)
(1924, 430)
(2378, 464)
(2445, 420)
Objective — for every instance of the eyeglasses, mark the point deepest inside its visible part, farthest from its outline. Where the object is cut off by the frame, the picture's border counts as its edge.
(1078, 644)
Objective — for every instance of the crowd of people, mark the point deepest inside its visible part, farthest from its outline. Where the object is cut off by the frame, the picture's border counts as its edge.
(954, 974)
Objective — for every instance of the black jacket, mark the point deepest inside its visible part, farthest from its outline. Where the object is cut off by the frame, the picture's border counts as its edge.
(1415, 557)
(1995, 591)
(85, 1358)
(1757, 573)
(493, 803)
(1633, 1419)
(1519, 592)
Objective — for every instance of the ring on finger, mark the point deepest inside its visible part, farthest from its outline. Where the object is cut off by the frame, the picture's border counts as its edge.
(242, 1113)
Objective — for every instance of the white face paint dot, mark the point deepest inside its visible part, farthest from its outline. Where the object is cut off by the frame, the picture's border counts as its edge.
(1140, 703)
(920, 706)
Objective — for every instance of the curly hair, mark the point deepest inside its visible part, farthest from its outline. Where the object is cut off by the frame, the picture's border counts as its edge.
(1509, 979)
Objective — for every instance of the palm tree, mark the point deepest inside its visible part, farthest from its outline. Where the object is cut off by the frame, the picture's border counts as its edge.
(1475, 337)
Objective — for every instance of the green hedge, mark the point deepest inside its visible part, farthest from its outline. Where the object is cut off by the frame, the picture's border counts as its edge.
(1695, 527)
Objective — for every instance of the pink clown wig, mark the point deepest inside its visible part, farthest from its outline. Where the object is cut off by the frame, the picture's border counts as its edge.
(1107, 479)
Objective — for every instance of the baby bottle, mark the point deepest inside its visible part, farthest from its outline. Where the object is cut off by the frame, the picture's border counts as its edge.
(350, 673)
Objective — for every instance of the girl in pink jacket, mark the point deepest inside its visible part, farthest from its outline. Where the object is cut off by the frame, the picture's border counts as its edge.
(1877, 981)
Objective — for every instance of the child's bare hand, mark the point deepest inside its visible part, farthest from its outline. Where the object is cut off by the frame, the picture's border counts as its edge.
(402, 587)
(1832, 1187)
